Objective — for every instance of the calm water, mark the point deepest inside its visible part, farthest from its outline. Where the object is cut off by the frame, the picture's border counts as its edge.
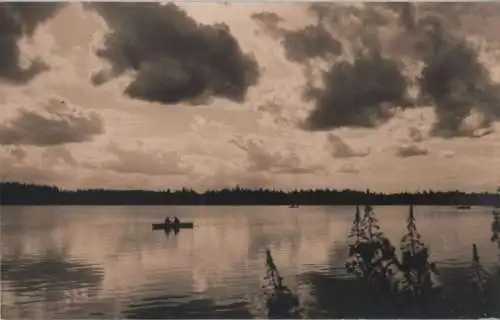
(87, 262)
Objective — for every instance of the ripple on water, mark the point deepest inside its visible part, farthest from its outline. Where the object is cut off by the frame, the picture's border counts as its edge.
(56, 270)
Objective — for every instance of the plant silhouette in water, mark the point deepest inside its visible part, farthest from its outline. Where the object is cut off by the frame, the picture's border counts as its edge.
(495, 232)
(415, 259)
(357, 236)
(366, 239)
(281, 302)
(370, 252)
(373, 258)
(477, 274)
(495, 227)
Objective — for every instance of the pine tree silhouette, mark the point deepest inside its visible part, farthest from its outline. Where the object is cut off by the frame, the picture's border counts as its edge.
(415, 256)
(357, 235)
(370, 225)
(411, 242)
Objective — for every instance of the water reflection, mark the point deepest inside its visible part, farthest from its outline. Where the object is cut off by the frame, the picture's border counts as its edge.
(168, 307)
(168, 232)
(47, 284)
(350, 298)
(81, 262)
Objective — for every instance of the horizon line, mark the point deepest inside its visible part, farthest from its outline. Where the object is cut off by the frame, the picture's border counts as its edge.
(236, 187)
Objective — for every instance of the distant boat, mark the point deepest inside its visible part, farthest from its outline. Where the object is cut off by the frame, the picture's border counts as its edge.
(463, 207)
(173, 226)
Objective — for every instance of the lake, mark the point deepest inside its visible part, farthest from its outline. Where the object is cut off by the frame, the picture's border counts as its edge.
(106, 262)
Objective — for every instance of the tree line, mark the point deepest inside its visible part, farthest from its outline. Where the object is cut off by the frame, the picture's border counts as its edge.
(13, 193)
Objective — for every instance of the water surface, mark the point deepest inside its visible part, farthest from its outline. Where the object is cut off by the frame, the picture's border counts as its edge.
(106, 262)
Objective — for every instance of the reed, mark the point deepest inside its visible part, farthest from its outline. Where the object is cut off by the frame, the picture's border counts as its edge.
(477, 274)
(281, 302)
(357, 236)
(495, 227)
(421, 274)
(413, 279)
(373, 258)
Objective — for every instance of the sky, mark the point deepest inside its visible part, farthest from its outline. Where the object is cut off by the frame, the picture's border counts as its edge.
(390, 97)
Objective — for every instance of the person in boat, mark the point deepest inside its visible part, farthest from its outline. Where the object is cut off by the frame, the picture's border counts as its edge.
(176, 220)
(167, 221)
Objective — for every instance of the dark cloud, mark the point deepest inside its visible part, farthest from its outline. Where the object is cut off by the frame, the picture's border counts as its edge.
(359, 24)
(411, 150)
(457, 82)
(19, 19)
(175, 58)
(339, 149)
(55, 124)
(313, 41)
(406, 11)
(268, 23)
(453, 79)
(358, 94)
(267, 19)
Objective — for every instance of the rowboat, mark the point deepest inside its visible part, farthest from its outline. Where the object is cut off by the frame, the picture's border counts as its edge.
(172, 226)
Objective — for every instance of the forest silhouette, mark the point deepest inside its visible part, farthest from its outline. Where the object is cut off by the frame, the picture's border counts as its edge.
(14, 193)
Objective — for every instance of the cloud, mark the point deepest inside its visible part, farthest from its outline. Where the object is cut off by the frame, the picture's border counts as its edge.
(143, 161)
(263, 160)
(18, 153)
(52, 165)
(19, 19)
(348, 168)
(301, 45)
(415, 134)
(268, 21)
(361, 26)
(174, 57)
(431, 43)
(448, 154)
(457, 82)
(16, 165)
(58, 155)
(453, 78)
(358, 94)
(339, 149)
(57, 123)
(312, 41)
(411, 150)
(407, 12)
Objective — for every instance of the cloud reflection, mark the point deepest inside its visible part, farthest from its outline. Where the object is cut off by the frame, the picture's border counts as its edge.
(75, 251)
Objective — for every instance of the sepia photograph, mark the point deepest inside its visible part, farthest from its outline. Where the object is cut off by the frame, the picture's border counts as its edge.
(249, 160)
